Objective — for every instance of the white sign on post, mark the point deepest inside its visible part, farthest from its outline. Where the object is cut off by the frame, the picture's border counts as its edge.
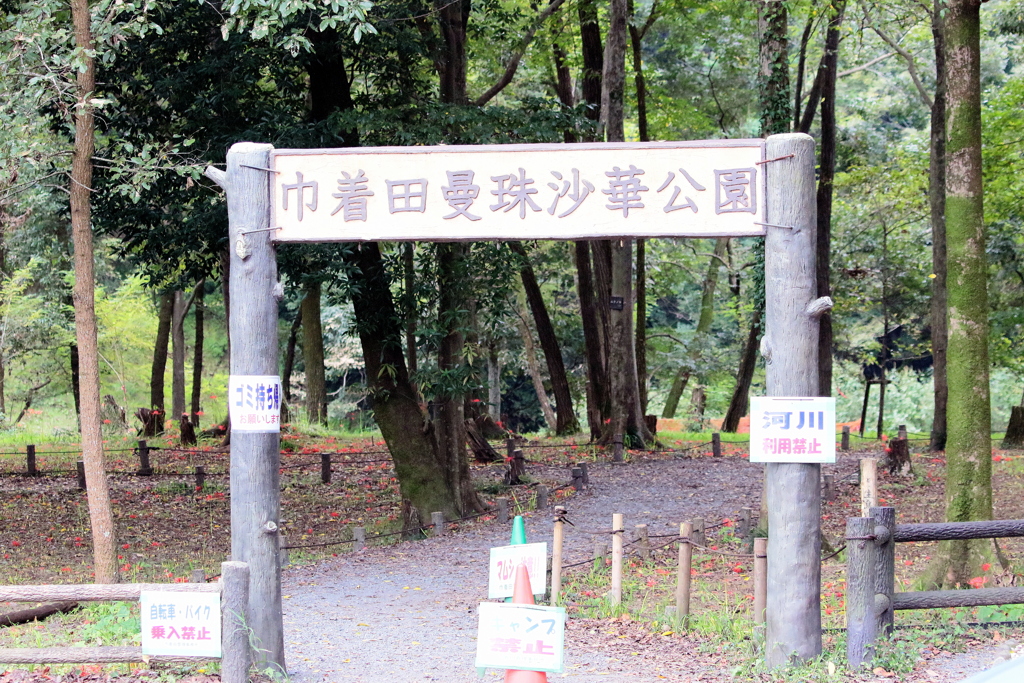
(254, 403)
(504, 561)
(548, 191)
(793, 429)
(184, 624)
(525, 637)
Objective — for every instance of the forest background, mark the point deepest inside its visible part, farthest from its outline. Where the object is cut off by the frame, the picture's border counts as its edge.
(178, 82)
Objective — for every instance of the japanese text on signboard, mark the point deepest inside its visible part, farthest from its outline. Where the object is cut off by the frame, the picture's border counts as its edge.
(526, 637)
(254, 402)
(454, 192)
(792, 429)
(180, 623)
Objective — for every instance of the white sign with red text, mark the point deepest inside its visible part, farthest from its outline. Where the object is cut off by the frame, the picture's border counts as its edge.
(525, 637)
(182, 624)
(792, 429)
(504, 561)
(254, 403)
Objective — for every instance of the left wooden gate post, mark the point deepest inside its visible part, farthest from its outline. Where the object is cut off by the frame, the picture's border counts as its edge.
(790, 348)
(252, 326)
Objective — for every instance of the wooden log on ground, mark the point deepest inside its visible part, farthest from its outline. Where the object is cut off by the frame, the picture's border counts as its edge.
(86, 655)
(96, 592)
(861, 624)
(975, 597)
(959, 531)
(23, 616)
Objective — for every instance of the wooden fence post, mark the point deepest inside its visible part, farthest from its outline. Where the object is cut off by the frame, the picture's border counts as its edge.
(861, 624)
(577, 478)
(30, 461)
(845, 444)
(716, 444)
(584, 473)
(617, 448)
(901, 432)
(80, 469)
(254, 292)
(556, 555)
(542, 497)
(615, 594)
(885, 576)
(683, 573)
(600, 553)
(868, 485)
(510, 448)
(358, 538)
(829, 491)
(790, 348)
(200, 474)
(760, 579)
(437, 521)
(697, 535)
(502, 510)
(325, 468)
(145, 469)
(235, 655)
(197, 576)
(643, 542)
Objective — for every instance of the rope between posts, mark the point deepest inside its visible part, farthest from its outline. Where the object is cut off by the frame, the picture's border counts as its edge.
(393, 533)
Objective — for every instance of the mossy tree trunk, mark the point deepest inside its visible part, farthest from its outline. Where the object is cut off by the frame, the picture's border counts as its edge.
(937, 205)
(968, 445)
(313, 355)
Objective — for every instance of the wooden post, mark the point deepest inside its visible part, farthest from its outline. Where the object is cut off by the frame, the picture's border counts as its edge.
(683, 573)
(901, 432)
(197, 576)
(585, 475)
(716, 444)
(254, 292)
(577, 478)
(790, 347)
(829, 492)
(235, 656)
(745, 526)
(643, 542)
(600, 553)
(282, 550)
(502, 510)
(845, 445)
(145, 470)
(437, 520)
(861, 625)
(556, 555)
(617, 449)
(698, 536)
(868, 485)
(80, 468)
(615, 595)
(885, 563)
(760, 579)
(200, 473)
(325, 468)
(542, 497)
(510, 448)
(518, 466)
(358, 538)
(30, 461)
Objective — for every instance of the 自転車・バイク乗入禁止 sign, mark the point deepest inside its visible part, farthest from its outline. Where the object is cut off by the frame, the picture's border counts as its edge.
(180, 623)
(548, 191)
(792, 429)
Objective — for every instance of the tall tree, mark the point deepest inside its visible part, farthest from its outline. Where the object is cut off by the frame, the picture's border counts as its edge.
(163, 335)
(566, 416)
(937, 206)
(100, 516)
(969, 444)
(197, 354)
(313, 354)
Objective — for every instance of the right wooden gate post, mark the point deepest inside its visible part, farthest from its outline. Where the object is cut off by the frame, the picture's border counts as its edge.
(790, 348)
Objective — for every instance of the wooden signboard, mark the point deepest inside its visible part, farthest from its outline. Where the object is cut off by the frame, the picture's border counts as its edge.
(550, 191)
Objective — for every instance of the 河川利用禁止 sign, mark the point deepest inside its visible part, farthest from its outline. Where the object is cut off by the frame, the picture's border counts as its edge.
(661, 189)
(792, 429)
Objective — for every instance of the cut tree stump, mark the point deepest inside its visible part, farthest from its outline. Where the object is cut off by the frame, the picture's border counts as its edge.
(898, 460)
(152, 421)
(482, 451)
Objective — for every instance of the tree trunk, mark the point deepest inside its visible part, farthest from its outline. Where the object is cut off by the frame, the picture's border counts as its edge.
(163, 335)
(421, 477)
(937, 204)
(178, 356)
(83, 292)
(566, 416)
(596, 375)
(740, 402)
(289, 366)
(707, 316)
(409, 304)
(773, 75)
(641, 323)
(639, 82)
(1014, 437)
(626, 418)
(76, 378)
(493, 382)
(313, 355)
(826, 175)
(968, 446)
(449, 424)
(197, 358)
(452, 19)
(613, 78)
(592, 54)
(534, 369)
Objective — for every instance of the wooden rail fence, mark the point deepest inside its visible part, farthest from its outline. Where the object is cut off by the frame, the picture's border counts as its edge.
(233, 587)
(871, 597)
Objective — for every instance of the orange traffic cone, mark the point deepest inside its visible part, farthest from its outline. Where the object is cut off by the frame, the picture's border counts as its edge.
(522, 594)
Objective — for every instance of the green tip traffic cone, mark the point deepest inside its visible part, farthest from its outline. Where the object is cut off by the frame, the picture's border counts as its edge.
(518, 531)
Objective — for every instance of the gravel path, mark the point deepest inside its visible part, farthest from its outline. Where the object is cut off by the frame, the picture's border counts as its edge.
(407, 612)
